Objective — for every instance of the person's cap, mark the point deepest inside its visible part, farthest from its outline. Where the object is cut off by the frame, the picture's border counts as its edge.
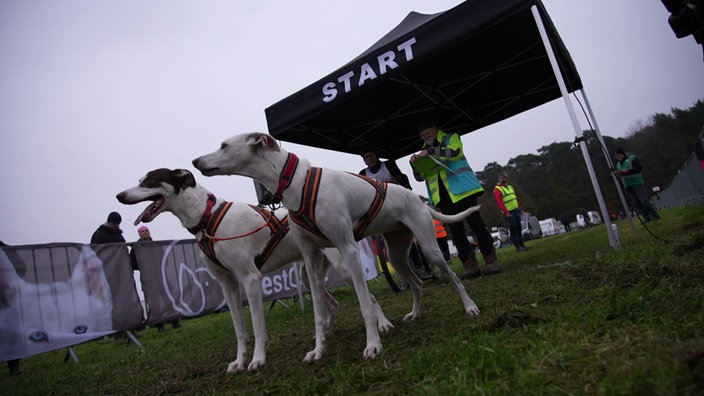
(142, 228)
(502, 174)
(425, 124)
(620, 151)
(114, 218)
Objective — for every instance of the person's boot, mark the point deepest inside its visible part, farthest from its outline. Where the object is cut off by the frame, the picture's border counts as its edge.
(471, 267)
(491, 266)
(520, 247)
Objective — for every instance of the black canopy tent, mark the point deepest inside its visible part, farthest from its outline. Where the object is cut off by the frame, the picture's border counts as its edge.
(471, 66)
(476, 64)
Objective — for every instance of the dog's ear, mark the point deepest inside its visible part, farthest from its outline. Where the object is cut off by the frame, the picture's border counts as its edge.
(266, 141)
(182, 179)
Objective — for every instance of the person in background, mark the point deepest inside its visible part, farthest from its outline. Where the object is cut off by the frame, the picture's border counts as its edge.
(386, 171)
(441, 238)
(585, 217)
(565, 222)
(507, 201)
(629, 169)
(453, 188)
(145, 236)
(109, 232)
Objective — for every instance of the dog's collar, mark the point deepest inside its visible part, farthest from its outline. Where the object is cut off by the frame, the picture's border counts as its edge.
(206, 215)
(285, 177)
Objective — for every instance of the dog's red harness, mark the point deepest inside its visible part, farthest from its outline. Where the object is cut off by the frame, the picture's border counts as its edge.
(305, 216)
(206, 215)
(285, 177)
(278, 228)
(374, 208)
(210, 222)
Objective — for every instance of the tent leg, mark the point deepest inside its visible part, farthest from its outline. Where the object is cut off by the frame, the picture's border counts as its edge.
(619, 186)
(613, 238)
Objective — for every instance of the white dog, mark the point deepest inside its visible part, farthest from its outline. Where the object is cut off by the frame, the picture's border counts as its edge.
(337, 208)
(241, 241)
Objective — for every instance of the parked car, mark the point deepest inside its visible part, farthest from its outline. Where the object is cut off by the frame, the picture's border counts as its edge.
(593, 217)
(530, 227)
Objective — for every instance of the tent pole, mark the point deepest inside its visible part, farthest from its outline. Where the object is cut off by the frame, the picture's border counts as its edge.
(613, 238)
(619, 187)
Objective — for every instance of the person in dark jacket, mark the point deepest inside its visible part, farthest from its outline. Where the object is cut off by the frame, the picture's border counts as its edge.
(110, 231)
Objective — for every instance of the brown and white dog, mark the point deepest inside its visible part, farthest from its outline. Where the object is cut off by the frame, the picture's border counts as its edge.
(239, 242)
(334, 208)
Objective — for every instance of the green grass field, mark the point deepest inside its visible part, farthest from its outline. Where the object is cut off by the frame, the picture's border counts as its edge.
(569, 317)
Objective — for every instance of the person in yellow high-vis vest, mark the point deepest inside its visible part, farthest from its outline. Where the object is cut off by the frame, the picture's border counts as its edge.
(507, 201)
(452, 188)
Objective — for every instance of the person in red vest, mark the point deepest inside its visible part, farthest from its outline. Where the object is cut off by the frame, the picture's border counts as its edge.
(441, 237)
(506, 198)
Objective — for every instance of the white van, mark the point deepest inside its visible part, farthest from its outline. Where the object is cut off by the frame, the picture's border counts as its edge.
(549, 226)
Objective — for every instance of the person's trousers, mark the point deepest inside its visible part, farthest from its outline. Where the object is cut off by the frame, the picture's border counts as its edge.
(639, 199)
(475, 222)
(514, 227)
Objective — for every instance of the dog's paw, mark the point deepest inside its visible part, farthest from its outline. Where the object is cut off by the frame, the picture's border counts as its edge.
(411, 316)
(235, 367)
(372, 351)
(255, 364)
(473, 312)
(384, 326)
(312, 356)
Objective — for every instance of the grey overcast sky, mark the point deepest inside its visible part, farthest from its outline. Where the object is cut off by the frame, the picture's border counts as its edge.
(93, 94)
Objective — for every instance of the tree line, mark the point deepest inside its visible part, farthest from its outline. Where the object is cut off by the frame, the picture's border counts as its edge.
(556, 181)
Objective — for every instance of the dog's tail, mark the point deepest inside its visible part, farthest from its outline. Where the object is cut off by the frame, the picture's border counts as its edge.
(453, 218)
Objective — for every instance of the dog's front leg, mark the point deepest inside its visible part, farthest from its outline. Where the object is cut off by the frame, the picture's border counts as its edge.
(231, 289)
(350, 257)
(253, 288)
(314, 267)
(331, 304)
